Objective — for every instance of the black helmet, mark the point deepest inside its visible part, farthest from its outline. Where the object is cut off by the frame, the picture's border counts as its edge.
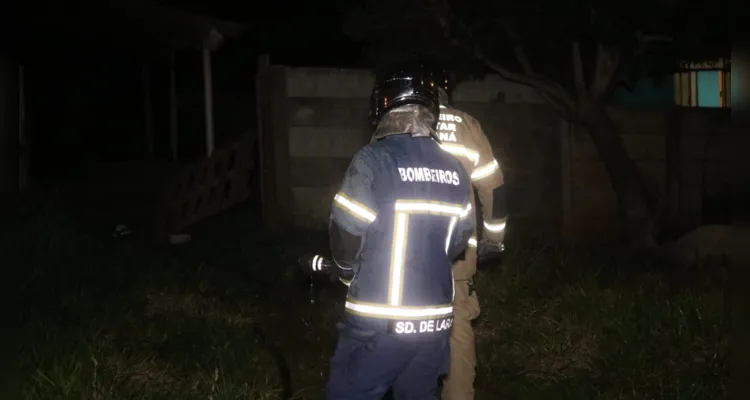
(402, 85)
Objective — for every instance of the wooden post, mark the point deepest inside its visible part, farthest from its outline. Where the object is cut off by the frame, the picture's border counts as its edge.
(673, 167)
(23, 143)
(208, 100)
(8, 142)
(261, 109)
(172, 109)
(281, 162)
(693, 88)
(273, 146)
(566, 188)
(148, 126)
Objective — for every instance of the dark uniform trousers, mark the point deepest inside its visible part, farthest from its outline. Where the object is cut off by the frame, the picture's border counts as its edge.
(408, 365)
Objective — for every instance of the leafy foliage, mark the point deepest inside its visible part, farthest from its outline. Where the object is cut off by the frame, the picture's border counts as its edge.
(539, 42)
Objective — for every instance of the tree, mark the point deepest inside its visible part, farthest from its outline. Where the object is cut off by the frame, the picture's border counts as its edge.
(572, 52)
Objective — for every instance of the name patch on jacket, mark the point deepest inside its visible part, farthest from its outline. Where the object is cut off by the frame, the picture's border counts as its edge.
(447, 136)
(408, 328)
(423, 174)
(447, 127)
(450, 118)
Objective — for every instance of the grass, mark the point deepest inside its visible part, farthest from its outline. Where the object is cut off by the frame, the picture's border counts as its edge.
(229, 317)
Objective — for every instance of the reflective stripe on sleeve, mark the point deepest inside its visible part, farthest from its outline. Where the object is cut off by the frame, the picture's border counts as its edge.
(485, 170)
(472, 242)
(495, 227)
(458, 150)
(465, 211)
(356, 209)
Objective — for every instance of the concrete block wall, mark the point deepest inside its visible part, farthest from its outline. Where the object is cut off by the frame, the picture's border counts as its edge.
(327, 123)
(558, 187)
(704, 142)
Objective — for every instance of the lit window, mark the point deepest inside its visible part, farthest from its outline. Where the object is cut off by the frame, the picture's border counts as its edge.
(706, 84)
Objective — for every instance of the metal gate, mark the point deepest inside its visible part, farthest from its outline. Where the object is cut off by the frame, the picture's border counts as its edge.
(210, 187)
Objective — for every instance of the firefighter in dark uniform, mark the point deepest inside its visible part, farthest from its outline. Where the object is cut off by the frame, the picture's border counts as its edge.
(462, 135)
(401, 216)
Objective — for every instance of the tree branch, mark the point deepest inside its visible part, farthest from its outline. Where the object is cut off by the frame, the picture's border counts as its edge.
(578, 75)
(559, 100)
(644, 41)
(518, 49)
(607, 61)
(550, 91)
(545, 86)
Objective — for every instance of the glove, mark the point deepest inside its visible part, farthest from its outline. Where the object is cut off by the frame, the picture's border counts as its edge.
(489, 252)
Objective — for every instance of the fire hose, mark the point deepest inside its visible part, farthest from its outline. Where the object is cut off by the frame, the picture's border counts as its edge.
(317, 265)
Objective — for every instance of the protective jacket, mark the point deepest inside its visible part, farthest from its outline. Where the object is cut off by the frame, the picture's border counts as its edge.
(402, 214)
(462, 135)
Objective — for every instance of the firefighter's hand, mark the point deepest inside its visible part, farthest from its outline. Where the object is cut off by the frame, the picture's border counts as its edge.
(489, 253)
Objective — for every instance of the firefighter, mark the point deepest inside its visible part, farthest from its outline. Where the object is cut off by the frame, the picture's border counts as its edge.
(401, 216)
(462, 135)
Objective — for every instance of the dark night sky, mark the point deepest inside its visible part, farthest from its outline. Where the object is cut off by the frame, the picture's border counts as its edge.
(293, 32)
(102, 84)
